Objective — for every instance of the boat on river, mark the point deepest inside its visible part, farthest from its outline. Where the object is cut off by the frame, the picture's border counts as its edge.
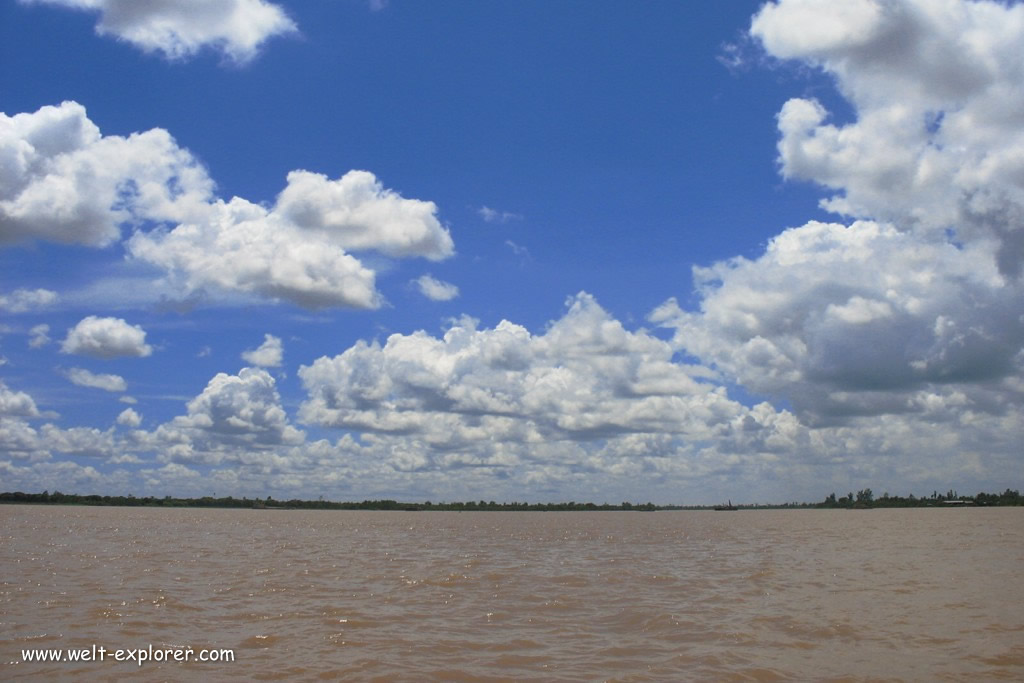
(730, 506)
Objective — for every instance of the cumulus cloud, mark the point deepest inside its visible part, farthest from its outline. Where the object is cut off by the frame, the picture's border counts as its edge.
(858, 320)
(915, 309)
(436, 290)
(585, 378)
(62, 181)
(84, 378)
(233, 412)
(16, 403)
(500, 410)
(84, 441)
(180, 29)
(356, 212)
(299, 249)
(241, 247)
(129, 418)
(39, 336)
(581, 409)
(585, 403)
(22, 300)
(18, 439)
(938, 139)
(269, 354)
(106, 338)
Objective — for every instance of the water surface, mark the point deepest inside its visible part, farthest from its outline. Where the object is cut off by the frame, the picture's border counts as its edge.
(545, 596)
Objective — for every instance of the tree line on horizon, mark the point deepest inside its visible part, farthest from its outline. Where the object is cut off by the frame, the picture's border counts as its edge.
(864, 498)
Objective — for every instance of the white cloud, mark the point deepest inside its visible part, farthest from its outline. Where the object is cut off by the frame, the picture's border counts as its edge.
(19, 441)
(498, 410)
(65, 475)
(181, 28)
(233, 415)
(269, 354)
(130, 400)
(436, 290)
(501, 410)
(21, 300)
(16, 403)
(83, 441)
(84, 378)
(494, 216)
(129, 418)
(518, 249)
(106, 338)
(585, 378)
(845, 321)
(297, 251)
(39, 336)
(63, 181)
(823, 27)
(243, 248)
(891, 316)
(938, 139)
(356, 212)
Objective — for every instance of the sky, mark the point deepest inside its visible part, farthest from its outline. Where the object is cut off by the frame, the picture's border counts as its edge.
(516, 251)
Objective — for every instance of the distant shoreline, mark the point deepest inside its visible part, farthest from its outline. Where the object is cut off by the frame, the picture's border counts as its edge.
(863, 500)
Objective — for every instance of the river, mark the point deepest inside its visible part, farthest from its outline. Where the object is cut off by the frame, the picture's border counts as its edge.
(886, 594)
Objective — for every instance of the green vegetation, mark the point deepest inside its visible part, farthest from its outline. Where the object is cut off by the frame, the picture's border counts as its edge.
(58, 498)
(864, 498)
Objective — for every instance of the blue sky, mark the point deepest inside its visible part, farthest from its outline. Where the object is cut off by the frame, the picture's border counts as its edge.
(514, 251)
